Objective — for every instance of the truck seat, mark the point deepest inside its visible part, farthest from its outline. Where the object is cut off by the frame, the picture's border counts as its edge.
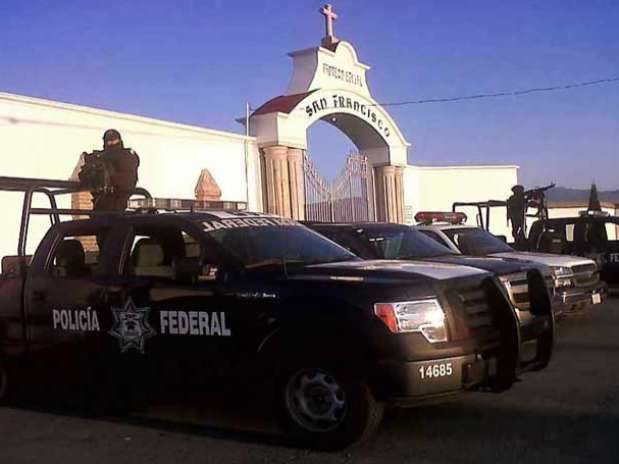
(550, 242)
(148, 259)
(70, 259)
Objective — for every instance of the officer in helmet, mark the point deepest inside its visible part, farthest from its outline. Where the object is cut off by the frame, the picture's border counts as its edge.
(516, 209)
(110, 174)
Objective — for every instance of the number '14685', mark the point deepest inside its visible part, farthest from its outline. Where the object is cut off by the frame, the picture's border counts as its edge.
(436, 370)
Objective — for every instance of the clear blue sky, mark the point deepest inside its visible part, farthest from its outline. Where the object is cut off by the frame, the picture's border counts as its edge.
(198, 62)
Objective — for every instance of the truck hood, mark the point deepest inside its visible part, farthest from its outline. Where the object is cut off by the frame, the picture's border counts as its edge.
(545, 258)
(393, 268)
(495, 265)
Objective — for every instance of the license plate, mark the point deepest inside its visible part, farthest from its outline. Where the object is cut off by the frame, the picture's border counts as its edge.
(437, 370)
(596, 298)
(613, 258)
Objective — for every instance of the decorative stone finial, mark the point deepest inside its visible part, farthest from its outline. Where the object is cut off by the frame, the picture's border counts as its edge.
(206, 187)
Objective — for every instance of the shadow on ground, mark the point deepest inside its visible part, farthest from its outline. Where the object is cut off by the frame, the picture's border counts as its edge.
(472, 429)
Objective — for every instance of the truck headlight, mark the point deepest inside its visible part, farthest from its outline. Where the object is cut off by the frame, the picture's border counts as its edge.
(424, 316)
(561, 271)
(562, 276)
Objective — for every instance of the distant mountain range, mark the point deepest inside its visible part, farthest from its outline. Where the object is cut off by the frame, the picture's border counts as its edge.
(571, 194)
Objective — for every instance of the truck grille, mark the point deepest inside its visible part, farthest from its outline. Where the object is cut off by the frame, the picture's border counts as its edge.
(584, 268)
(585, 275)
(517, 286)
(477, 308)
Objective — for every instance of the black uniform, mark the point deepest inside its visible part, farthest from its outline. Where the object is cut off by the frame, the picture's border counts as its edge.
(112, 175)
(516, 208)
(122, 165)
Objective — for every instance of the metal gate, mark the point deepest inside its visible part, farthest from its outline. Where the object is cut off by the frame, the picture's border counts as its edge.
(349, 197)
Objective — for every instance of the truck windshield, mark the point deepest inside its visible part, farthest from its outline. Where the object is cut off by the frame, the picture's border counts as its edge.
(271, 244)
(402, 243)
(476, 242)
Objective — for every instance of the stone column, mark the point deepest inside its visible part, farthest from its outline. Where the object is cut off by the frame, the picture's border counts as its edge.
(297, 183)
(399, 193)
(389, 181)
(276, 180)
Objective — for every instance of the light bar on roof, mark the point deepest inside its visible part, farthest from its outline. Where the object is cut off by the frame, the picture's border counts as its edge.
(173, 204)
(428, 217)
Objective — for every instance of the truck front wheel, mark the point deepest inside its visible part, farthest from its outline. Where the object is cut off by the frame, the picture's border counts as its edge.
(326, 408)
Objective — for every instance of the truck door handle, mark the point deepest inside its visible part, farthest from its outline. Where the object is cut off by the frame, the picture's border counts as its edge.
(39, 295)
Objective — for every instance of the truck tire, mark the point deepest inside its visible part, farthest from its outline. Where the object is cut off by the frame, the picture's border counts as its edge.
(326, 408)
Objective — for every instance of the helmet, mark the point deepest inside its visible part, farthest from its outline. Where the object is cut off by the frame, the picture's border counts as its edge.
(518, 189)
(111, 134)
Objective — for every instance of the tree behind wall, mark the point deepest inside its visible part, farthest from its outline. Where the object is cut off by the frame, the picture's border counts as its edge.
(594, 201)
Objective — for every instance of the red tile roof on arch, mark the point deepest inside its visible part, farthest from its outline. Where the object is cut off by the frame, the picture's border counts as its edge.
(282, 104)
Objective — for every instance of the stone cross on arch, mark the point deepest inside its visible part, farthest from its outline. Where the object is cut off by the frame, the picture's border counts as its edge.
(330, 16)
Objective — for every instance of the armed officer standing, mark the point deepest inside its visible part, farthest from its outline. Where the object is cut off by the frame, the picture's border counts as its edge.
(111, 174)
(516, 210)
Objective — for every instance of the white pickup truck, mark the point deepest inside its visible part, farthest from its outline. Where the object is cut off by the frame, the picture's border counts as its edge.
(576, 279)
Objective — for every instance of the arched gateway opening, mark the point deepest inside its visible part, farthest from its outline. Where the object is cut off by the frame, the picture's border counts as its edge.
(329, 84)
(349, 196)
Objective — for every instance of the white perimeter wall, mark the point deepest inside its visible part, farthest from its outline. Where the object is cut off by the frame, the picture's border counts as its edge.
(437, 188)
(44, 139)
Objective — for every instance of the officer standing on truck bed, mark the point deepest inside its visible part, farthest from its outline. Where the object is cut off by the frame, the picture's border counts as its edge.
(516, 209)
(110, 174)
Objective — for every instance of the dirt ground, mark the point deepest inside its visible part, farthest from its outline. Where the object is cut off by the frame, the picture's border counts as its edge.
(567, 413)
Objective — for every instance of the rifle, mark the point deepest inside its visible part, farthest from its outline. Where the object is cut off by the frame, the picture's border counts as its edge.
(536, 198)
(95, 174)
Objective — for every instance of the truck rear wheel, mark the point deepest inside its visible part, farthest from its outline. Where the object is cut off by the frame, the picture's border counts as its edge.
(326, 408)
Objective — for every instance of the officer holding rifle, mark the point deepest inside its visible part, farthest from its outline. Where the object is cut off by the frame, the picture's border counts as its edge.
(110, 174)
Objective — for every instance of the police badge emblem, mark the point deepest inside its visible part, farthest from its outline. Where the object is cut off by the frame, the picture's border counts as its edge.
(131, 326)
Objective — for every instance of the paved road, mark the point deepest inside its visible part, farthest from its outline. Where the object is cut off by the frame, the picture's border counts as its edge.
(566, 414)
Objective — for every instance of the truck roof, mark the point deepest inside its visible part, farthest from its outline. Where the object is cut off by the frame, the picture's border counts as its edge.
(206, 215)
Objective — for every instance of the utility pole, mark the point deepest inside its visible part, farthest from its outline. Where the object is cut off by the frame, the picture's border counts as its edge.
(246, 146)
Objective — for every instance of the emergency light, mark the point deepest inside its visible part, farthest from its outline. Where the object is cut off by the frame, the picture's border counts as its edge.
(428, 217)
(176, 204)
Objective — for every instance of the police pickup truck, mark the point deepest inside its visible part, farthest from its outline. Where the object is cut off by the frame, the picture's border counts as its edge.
(593, 234)
(161, 306)
(576, 279)
(523, 282)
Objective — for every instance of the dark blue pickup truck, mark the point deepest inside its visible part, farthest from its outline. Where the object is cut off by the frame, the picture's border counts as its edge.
(161, 306)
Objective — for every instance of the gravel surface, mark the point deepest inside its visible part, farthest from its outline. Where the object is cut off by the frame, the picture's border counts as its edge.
(567, 413)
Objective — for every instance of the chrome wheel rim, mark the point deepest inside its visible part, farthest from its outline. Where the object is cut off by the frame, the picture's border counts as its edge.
(315, 400)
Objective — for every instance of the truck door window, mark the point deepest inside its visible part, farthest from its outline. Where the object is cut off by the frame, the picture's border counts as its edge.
(596, 235)
(569, 232)
(433, 235)
(76, 256)
(611, 231)
(164, 253)
(341, 238)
